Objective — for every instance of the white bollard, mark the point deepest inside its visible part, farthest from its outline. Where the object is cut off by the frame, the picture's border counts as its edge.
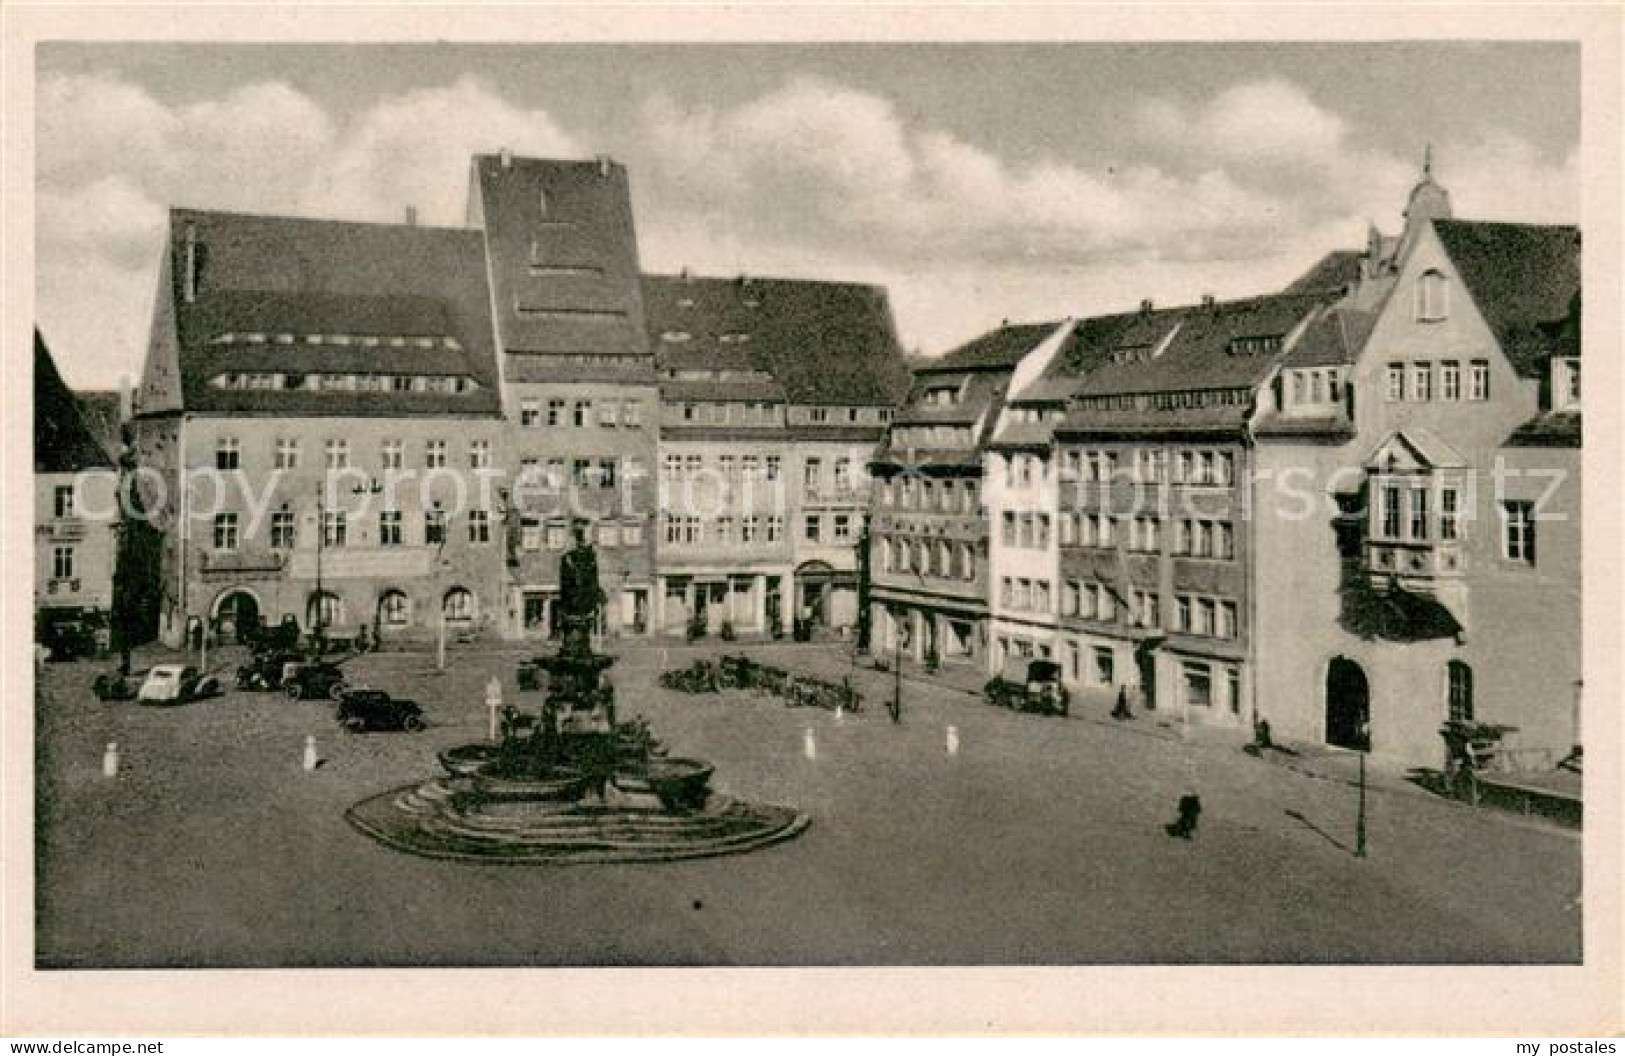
(809, 744)
(110, 760)
(840, 713)
(953, 740)
(310, 751)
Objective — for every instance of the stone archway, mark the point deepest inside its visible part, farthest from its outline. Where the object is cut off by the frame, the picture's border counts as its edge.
(236, 612)
(1348, 705)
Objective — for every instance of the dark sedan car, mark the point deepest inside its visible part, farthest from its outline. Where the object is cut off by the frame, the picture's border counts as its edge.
(312, 680)
(364, 710)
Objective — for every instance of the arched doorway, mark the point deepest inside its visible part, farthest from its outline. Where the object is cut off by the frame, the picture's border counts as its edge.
(325, 610)
(1348, 705)
(813, 582)
(236, 614)
(458, 606)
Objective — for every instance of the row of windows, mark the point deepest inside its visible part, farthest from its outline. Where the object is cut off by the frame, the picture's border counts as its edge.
(931, 436)
(1021, 594)
(583, 472)
(1317, 386)
(1167, 401)
(227, 535)
(265, 381)
(1414, 382)
(928, 557)
(1202, 467)
(285, 454)
(1198, 614)
(607, 535)
(920, 493)
(751, 531)
(1026, 530)
(1403, 513)
(578, 414)
(747, 468)
(722, 413)
(342, 340)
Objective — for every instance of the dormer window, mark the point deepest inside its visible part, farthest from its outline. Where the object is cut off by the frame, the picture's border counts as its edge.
(1432, 297)
(735, 338)
(676, 337)
(1257, 345)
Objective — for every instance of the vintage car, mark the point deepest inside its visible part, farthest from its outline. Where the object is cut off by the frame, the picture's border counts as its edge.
(264, 669)
(68, 636)
(365, 710)
(111, 685)
(312, 680)
(175, 684)
(1040, 692)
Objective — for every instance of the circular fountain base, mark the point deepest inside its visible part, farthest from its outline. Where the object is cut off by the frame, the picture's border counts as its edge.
(446, 818)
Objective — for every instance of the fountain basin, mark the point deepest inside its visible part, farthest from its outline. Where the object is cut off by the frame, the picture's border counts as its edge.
(563, 785)
(467, 760)
(677, 784)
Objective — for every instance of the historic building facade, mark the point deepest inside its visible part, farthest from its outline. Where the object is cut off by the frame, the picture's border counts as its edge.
(75, 501)
(579, 392)
(320, 406)
(1157, 556)
(929, 524)
(1431, 425)
(774, 393)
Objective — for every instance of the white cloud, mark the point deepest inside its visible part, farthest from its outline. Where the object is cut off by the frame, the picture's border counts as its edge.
(1268, 121)
(1235, 194)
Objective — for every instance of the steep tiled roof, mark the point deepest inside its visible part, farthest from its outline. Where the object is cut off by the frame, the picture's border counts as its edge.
(324, 278)
(823, 342)
(1552, 429)
(1522, 278)
(1333, 273)
(102, 411)
(63, 443)
(1200, 353)
(564, 255)
(1334, 339)
(999, 349)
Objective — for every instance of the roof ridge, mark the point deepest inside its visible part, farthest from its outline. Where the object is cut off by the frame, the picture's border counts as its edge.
(233, 214)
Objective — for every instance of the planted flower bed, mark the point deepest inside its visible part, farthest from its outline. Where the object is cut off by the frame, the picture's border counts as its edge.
(742, 673)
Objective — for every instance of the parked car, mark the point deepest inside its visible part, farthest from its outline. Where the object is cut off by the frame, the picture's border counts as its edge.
(67, 637)
(312, 680)
(363, 710)
(110, 685)
(174, 684)
(1041, 692)
(265, 668)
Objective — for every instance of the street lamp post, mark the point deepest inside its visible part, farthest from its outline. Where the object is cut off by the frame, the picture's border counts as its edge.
(897, 681)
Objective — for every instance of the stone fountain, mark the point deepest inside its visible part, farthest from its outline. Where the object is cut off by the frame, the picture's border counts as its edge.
(574, 785)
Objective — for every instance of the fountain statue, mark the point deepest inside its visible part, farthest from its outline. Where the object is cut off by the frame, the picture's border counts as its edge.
(571, 784)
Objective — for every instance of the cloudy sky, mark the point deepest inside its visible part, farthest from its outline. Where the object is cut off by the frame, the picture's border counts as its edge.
(977, 182)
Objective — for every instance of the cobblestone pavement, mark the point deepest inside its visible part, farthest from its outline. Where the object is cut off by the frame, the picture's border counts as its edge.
(1039, 842)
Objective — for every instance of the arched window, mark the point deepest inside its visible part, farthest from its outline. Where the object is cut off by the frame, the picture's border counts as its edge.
(326, 609)
(1461, 692)
(394, 609)
(458, 606)
(1432, 297)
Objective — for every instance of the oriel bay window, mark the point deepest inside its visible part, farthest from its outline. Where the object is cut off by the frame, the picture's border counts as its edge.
(1415, 521)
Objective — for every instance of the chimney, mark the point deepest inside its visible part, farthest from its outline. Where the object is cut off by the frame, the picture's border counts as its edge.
(189, 279)
(603, 164)
(411, 216)
(126, 398)
(685, 274)
(1146, 306)
(1208, 300)
(507, 158)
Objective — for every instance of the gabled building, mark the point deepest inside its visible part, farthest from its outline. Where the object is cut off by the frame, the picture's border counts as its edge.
(319, 402)
(75, 501)
(1157, 559)
(1430, 425)
(774, 394)
(929, 525)
(577, 382)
